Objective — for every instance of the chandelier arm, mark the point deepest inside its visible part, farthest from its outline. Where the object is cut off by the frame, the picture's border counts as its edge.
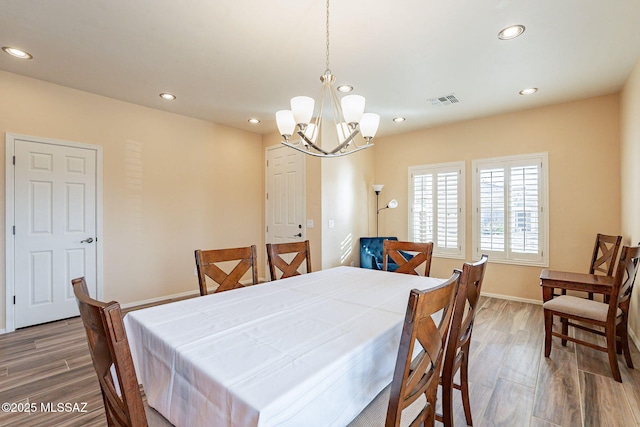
(311, 144)
(345, 143)
(311, 153)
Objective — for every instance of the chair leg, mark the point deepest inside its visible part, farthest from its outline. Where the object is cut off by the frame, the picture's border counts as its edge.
(565, 329)
(623, 333)
(548, 325)
(447, 397)
(611, 351)
(464, 385)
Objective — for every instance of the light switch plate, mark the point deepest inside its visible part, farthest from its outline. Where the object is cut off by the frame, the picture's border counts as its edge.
(331, 223)
(309, 223)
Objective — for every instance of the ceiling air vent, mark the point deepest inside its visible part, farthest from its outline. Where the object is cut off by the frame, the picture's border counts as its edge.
(444, 100)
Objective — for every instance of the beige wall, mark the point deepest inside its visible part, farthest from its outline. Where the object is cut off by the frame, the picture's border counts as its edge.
(582, 139)
(198, 178)
(346, 197)
(630, 177)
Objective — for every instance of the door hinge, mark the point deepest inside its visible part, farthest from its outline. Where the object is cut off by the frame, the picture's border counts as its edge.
(14, 160)
(14, 300)
(14, 230)
(267, 196)
(267, 228)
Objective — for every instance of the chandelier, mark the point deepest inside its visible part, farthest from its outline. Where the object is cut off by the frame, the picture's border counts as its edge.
(348, 119)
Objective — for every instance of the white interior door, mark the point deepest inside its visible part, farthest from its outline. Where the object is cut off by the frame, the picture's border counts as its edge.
(285, 195)
(55, 229)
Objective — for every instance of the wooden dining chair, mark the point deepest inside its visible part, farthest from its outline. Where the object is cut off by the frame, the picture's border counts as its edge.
(111, 355)
(457, 355)
(409, 256)
(208, 264)
(411, 397)
(604, 256)
(298, 252)
(611, 317)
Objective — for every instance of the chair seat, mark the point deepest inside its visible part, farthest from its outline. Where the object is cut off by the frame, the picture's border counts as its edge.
(581, 307)
(375, 413)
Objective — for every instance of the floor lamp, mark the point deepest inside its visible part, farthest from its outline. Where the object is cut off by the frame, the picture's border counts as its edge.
(393, 203)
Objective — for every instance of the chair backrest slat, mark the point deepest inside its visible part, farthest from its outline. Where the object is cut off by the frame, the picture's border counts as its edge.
(110, 352)
(299, 251)
(624, 279)
(418, 376)
(604, 255)
(466, 306)
(409, 256)
(207, 265)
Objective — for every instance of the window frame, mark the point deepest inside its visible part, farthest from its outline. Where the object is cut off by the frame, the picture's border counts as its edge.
(434, 169)
(508, 256)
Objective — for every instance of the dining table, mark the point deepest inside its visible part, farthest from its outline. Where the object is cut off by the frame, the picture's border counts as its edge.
(309, 350)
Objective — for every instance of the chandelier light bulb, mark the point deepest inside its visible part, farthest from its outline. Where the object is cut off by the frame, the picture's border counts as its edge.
(302, 108)
(369, 125)
(286, 123)
(353, 108)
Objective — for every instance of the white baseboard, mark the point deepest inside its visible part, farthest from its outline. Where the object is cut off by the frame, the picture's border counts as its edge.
(157, 299)
(3, 331)
(510, 298)
(180, 295)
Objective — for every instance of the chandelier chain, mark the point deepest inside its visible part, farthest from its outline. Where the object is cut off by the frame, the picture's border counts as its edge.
(327, 71)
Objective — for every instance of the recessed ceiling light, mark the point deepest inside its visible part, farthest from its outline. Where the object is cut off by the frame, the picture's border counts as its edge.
(528, 91)
(253, 121)
(345, 88)
(511, 32)
(17, 52)
(399, 119)
(167, 96)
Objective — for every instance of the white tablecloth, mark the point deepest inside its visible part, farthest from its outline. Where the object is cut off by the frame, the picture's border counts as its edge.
(312, 350)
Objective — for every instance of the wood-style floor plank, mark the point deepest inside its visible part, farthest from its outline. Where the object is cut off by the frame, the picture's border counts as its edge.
(557, 398)
(488, 357)
(510, 405)
(604, 402)
(521, 363)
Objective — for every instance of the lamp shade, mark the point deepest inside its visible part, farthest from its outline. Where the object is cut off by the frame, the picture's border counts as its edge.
(377, 187)
(311, 132)
(352, 108)
(286, 123)
(393, 203)
(369, 124)
(343, 131)
(302, 108)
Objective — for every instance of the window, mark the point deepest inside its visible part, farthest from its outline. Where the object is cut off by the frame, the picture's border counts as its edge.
(436, 211)
(509, 209)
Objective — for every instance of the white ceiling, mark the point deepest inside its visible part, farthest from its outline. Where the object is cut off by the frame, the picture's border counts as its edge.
(232, 60)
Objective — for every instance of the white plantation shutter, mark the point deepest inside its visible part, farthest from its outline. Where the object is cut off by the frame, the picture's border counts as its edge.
(509, 201)
(436, 194)
(492, 209)
(524, 202)
(448, 210)
(422, 212)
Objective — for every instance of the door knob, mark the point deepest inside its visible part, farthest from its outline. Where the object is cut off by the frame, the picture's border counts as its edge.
(297, 235)
(87, 240)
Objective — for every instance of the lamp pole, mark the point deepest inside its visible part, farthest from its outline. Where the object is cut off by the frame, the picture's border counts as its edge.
(377, 188)
(377, 212)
